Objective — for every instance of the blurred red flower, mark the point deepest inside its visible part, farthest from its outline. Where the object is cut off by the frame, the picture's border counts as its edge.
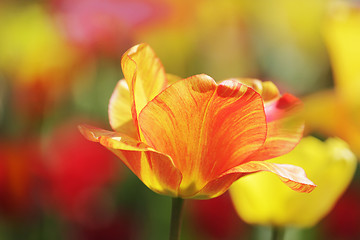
(78, 174)
(215, 218)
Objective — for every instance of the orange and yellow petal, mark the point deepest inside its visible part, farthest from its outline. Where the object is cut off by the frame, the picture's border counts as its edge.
(154, 169)
(293, 176)
(206, 128)
(144, 75)
(120, 117)
(284, 127)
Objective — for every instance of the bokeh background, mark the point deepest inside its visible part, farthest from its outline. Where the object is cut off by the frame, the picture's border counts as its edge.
(60, 61)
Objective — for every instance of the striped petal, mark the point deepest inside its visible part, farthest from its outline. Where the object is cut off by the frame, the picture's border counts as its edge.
(154, 169)
(206, 128)
(293, 176)
(285, 127)
(144, 75)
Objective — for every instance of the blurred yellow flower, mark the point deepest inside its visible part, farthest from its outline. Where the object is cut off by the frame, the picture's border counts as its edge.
(262, 199)
(35, 59)
(342, 35)
(340, 107)
(31, 45)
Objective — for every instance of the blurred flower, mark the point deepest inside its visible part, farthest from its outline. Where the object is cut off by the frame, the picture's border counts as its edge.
(340, 107)
(286, 43)
(78, 173)
(34, 57)
(18, 178)
(108, 26)
(342, 35)
(195, 138)
(215, 218)
(330, 164)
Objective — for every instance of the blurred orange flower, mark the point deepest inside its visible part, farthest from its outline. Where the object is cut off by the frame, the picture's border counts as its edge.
(194, 138)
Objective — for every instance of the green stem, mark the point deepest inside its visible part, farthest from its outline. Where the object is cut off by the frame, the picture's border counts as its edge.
(176, 217)
(277, 233)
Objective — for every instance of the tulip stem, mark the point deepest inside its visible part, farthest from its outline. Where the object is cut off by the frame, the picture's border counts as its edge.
(277, 233)
(176, 218)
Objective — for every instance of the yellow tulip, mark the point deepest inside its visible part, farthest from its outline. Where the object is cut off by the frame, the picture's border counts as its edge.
(262, 199)
(340, 107)
(342, 35)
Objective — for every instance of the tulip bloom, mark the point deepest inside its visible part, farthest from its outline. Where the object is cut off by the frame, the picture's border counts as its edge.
(194, 138)
(331, 164)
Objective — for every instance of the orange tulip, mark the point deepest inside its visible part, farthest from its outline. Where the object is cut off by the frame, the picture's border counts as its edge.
(194, 138)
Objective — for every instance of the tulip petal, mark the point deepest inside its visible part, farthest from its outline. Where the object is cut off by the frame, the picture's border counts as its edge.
(293, 176)
(155, 169)
(120, 117)
(285, 127)
(267, 89)
(144, 75)
(206, 128)
(171, 78)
